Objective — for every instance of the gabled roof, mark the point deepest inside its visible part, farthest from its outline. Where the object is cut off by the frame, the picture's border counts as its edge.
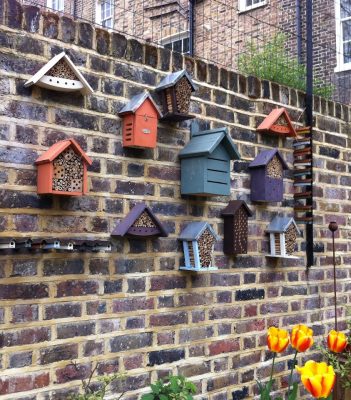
(205, 142)
(122, 228)
(56, 149)
(269, 124)
(234, 205)
(265, 157)
(137, 102)
(87, 89)
(194, 230)
(172, 79)
(281, 224)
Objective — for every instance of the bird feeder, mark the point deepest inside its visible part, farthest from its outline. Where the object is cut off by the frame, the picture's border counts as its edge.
(198, 240)
(277, 122)
(140, 117)
(283, 233)
(267, 171)
(205, 163)
(62, 169)
(61, 75)
(175, 93)
(140, 223)
(236, 216)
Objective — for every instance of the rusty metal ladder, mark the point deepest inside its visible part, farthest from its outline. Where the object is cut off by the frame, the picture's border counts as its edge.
(303, 178)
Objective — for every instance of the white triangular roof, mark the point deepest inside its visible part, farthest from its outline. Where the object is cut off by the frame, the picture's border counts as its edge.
(87, 89)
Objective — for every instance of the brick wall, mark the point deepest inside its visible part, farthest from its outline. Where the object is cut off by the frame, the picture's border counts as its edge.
(132, 310)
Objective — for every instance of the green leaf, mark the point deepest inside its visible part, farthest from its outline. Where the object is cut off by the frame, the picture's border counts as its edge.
(293, 393)
(163, 397)
(148, 396)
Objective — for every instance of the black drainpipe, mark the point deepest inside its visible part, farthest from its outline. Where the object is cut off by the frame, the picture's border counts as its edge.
(191, 27)
(298, 31)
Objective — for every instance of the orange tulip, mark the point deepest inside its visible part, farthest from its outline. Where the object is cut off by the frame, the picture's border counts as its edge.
(277, 339)
(318, 378)
(301, 338)
(336, 341)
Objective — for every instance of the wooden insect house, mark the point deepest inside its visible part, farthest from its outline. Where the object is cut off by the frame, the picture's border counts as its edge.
(198, 240)
(175, 93)
(236, 216)
(205, 163)
(140, 118)
(277, 122)
(283, 233)
(267, 171)
(140, 222)
(60, 74)
(62, 169)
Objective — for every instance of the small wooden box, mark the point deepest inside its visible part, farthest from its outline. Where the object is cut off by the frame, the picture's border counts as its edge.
(198, 240)
(205, 163)
(140, 118)
(267, 171)
(175, 94)
(277, 122)
(283, 233)
(235, 217)
(62, 169)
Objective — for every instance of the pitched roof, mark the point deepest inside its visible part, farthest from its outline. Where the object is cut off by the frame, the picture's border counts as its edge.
(87, 89)
(234, 205)
(281, 224)
(269, 123)
(194, 230)
(122, 228)
(136, 102)
(56, 149)
(205, 142)
(264, 157)
(171, 79)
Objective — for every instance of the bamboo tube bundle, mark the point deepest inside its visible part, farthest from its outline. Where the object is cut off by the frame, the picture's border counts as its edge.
(206, 243)
(290, 239)
(275, 168)
(144, 221)
(282, 121)
(183, 95)
(62, 70)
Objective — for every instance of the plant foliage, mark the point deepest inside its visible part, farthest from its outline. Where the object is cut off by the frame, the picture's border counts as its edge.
(172, 387)
(272, 62)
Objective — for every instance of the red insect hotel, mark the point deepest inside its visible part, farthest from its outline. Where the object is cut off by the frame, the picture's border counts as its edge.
(62, 169)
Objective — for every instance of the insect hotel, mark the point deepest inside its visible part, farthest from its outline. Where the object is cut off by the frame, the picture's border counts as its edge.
(198, 240)
(205, 163)
(175, 94)
(283, 233)
(236, 216)
(140, 118)
(140, 223)
(62, 169)
(277, 122)
(60, 74)
(267, 171)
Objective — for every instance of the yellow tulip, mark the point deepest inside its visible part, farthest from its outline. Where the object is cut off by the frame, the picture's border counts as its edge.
(277, 339)
(318, 378)
(301, 338)
(336, 341)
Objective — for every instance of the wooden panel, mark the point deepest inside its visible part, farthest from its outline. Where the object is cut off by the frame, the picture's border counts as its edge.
(217, 176)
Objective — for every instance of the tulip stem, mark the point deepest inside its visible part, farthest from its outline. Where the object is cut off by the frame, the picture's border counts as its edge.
(291, 372)
(272, 370)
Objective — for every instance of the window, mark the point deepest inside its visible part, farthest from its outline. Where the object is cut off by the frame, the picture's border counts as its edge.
(245, 5)
(178, 42)
(57, 5)
(104, 13)
(343, 34)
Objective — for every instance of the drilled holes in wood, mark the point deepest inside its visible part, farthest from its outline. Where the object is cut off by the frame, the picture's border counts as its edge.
(183, 95)
(62, 70)
(68, 172)
(240, 231)
(275, 168)
(206, 243)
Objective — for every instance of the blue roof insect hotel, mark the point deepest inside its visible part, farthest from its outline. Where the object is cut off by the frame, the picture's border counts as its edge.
(205, 163)
(198, 240)
(283, 233)
(267, 171)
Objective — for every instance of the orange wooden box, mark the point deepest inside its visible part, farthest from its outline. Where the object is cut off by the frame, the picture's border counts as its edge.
(277, 122)
(140, 118)
(62, 169)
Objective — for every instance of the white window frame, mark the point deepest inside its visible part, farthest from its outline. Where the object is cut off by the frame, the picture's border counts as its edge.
(175, 38)
(340, 65)
(60, 4)
(243, 7)
(99, 19)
